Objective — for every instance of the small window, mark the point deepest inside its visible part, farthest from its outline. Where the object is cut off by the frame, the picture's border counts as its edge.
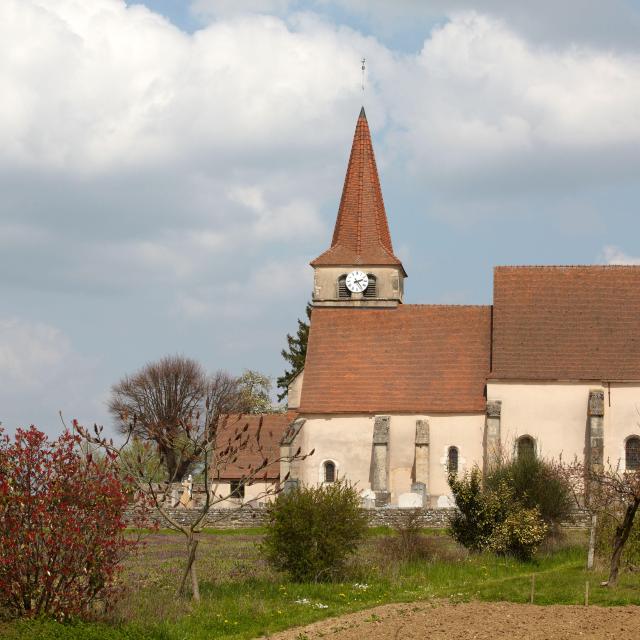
(237, 489)
(372, 288)
(632, 454)
(329, 471)
(452, 460)
(343, 292)
(526, 447)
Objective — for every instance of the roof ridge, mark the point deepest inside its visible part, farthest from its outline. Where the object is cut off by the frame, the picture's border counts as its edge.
(453, 306)
(564, 266)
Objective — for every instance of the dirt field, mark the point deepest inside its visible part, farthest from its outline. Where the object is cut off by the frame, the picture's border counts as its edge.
(476, 620)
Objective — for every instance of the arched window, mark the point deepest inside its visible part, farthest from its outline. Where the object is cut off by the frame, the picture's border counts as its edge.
(372, 288)
(343, 292)
(452, 460)
(632, 454)
(329, 471)
(526, 447)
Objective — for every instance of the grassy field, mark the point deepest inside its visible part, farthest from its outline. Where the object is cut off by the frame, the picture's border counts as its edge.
(243, 598)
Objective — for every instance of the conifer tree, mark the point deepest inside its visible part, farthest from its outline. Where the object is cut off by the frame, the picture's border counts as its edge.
(295, 354)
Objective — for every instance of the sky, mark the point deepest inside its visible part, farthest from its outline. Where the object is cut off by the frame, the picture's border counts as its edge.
(168, 168)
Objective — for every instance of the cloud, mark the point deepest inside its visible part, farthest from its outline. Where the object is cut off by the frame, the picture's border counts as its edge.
(612, 24)
(488, 105)
(615, 255)
(179, 182)
(41, 373)
(225, 8)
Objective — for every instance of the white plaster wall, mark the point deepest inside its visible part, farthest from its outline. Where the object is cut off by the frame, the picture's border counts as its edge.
(294, 391)
(622, 418)
(255, 491)
(347, 440)
(555, 414)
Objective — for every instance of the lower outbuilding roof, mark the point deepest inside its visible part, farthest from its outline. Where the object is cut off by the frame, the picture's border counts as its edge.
(261, 435)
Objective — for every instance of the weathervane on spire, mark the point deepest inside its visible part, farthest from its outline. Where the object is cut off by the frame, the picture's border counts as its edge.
(363, 69)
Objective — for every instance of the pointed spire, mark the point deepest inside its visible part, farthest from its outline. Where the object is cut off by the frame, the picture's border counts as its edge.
(361, 234)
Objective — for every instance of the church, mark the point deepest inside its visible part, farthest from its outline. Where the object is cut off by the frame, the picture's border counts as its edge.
(393, 396)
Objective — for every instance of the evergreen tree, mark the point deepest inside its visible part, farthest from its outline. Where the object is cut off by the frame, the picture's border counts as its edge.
(295, 354)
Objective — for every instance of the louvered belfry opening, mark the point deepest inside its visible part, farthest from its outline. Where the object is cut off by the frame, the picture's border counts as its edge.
(343, 292)
(372, 288)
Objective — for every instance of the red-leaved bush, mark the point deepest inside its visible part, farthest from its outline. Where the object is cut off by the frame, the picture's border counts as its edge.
(62, 525)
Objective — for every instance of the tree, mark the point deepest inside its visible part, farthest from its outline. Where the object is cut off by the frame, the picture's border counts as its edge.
(213, 443)
(608, 489)
(295, 354)
(62, 526)
(158, 401)
(254, 391)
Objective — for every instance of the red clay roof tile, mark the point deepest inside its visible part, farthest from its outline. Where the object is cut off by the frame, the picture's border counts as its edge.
(566, 323)
(413, 358)
(272, 427)
(361, 235)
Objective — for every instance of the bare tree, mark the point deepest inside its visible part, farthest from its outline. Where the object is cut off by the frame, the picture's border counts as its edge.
(607, 489)
(159, 400)
(208, 439)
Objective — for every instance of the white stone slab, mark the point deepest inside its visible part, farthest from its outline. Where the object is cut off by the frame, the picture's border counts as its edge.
(410, 500)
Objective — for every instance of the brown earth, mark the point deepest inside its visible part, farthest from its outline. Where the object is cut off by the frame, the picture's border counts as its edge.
(477, 621)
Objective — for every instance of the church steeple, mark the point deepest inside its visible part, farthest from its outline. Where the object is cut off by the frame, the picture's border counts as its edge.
(361, 235)
(361, 239)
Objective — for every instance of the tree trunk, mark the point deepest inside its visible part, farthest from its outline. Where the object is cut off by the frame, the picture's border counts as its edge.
(619, 540)
(192, 545)
(195, 589)
(592, 541)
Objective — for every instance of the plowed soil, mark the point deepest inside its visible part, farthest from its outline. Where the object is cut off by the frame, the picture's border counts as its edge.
(475, 620)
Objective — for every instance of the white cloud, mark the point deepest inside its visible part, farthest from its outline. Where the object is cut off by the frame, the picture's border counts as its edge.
(614, 255)
(150, 158)
(224, 8)
(483, 94)
(41, 374)
(136, 90)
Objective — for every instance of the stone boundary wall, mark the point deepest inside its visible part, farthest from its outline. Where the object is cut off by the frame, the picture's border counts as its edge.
(379, 516)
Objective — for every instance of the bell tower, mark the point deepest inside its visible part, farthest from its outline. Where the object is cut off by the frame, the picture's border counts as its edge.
(360, 268)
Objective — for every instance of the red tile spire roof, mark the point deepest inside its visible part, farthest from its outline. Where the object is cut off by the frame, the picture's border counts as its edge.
(361, 234)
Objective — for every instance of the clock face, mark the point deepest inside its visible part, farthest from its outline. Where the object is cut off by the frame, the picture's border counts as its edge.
(357, 281)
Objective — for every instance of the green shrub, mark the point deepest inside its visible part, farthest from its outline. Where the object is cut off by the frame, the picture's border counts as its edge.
(312, 531)
(536, 484)
(473, 523)
(494, 519)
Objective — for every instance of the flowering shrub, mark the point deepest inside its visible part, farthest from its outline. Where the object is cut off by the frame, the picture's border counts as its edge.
(519, 534)
(61, 526)
(494, 519)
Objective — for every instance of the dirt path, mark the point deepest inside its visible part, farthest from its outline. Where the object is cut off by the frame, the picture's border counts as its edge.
(477, 621)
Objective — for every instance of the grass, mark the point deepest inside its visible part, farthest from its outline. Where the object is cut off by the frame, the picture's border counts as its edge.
(243, 598)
